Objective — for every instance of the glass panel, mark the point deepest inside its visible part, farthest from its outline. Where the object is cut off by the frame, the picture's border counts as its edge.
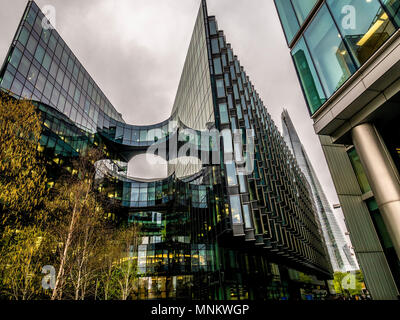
(368, 30)
(393, 6)
(236, 209)
(33, 74)
(41, 82)
(213, 27)
(143, 135)
(303, 8)
(39, 54)
(31, 46)
(45, 35)
(24, 66)
(16, 58)
(16, 87)
(247, 218)
(231, 174)
(288, 18)
(227, 138)
(46, 62)
(214, 46)
(7, 80)
(331, 57)
(359, 171)
(31, 17)
(308, 76)
(223, 112)
(23, 36)
(217, 66)
(220, 88)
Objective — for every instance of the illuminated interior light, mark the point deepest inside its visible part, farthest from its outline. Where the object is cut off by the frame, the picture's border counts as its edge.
(373, 29)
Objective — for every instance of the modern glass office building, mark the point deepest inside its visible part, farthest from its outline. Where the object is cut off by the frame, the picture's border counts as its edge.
(347, 57)
(339, 253)
(209, 231)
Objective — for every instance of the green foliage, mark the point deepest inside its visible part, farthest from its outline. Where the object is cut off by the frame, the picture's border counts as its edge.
(22, 172)
(348, 283)
(66, 227)
(23, 254)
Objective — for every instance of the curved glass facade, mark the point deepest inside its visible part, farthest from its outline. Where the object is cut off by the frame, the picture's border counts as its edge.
(341, 37)
(210, 231)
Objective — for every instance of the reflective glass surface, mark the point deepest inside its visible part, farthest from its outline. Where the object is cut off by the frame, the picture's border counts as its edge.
(331, 58)
(365, 27)
(288, 18)
(303, 8)
(311, 84)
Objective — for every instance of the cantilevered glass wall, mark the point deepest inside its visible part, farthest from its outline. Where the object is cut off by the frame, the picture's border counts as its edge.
(341, 37)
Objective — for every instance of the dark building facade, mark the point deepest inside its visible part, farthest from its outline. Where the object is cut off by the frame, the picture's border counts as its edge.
(209, 231)
(347, 57)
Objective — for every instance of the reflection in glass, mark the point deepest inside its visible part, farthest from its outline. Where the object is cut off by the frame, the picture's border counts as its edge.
(303, 8)
(371, 28)
(331, 58)
(288, 18)
(231, 173)
(359, 171)
(308, 76)
(236, 209)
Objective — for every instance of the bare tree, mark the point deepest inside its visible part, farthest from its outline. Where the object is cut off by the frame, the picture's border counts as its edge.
(78, 205)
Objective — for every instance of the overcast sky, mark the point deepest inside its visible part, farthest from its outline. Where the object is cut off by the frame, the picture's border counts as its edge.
(135, 50)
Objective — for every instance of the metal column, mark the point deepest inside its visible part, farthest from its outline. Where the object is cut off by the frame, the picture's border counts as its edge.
(382, 176)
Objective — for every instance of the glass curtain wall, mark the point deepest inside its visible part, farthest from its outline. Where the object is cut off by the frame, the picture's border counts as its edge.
(342, 36)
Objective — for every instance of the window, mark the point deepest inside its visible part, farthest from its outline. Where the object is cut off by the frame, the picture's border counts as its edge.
(30, 17)
(53, 69)
(230, 101)
(31, 46)
(40, 82)
(46, 62)
(213, 27)
(47, 90)
(227, 80)
(214, 46)
(23, 36)
(371, 28)
(143, 135)
(223, 113)
(16, 58)
(7, 80)
(242, 183)
(231, 173)
(236, 92)
(217, 66)
(45, 35)
(33, 74)
(39, 54)
(236, 210)
(16, 87)
(308, 76)
(247, 218)
(24, 66)
(227, 139)
(60, 76)
(220, 88)
(303, 8)
(52, 43)
(239, 111)
(288, 18)
(393, 6)
(332, 60)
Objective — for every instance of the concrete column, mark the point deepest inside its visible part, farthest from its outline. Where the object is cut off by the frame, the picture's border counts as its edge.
(382, 176)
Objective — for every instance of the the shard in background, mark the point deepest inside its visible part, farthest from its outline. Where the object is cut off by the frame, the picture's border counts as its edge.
(338, 249)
